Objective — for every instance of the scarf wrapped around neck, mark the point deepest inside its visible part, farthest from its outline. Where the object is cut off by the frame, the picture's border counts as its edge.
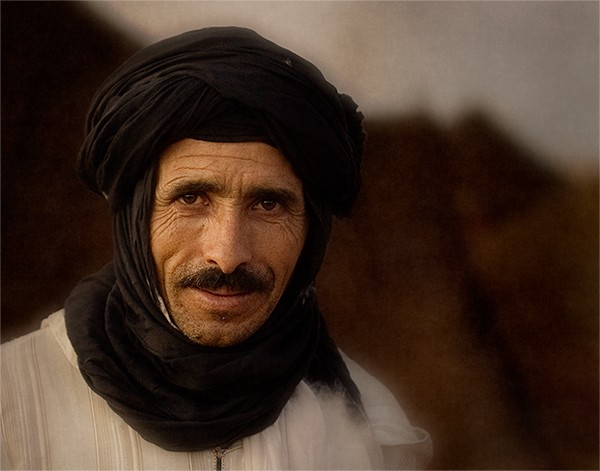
(220, 84)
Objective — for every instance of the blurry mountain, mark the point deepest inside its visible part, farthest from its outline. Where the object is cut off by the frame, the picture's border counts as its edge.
(467, 279)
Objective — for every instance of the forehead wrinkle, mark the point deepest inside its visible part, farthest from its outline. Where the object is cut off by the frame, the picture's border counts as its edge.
(217, 156)
(185, 168)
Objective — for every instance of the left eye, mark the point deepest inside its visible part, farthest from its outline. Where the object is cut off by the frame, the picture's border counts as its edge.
(267, 205)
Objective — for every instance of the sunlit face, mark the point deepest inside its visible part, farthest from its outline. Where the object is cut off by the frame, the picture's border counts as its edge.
(225, 208)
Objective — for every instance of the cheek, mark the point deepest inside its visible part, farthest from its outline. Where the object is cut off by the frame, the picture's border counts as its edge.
(282, 245)
(163, 238)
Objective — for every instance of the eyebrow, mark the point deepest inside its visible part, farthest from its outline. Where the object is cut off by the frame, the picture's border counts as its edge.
(283, 195)
(192, 187)
(280, 193)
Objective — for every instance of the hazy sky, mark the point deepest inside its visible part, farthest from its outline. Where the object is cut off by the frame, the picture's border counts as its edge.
(531, 65)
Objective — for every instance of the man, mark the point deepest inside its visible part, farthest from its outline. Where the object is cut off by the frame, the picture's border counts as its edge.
(223, 158)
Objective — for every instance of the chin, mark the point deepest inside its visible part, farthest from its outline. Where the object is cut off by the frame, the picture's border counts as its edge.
(218, 331)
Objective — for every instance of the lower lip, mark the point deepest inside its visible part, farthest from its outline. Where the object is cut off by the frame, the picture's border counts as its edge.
(223, 302)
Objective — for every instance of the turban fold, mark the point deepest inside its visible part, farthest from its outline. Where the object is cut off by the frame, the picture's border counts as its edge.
(221, 84)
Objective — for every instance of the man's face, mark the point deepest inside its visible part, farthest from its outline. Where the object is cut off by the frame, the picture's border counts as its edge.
(224, 209)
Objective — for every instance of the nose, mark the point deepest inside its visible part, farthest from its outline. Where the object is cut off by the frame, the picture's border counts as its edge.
(226, 241)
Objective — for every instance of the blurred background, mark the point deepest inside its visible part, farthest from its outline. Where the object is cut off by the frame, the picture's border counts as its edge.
(466, 278)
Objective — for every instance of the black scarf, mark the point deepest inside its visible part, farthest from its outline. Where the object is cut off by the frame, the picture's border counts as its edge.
(174, 392)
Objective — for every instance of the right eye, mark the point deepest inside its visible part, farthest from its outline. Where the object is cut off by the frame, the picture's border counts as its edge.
(193, 199)
(189, 199)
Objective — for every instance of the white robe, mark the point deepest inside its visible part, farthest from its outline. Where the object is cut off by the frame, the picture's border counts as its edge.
(51, 419)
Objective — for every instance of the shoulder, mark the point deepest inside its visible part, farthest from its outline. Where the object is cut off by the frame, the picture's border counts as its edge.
(404, 445)
(37, 376)
(32, 362)
(51, 336)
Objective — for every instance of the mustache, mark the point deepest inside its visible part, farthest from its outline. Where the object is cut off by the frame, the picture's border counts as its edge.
(241, 279)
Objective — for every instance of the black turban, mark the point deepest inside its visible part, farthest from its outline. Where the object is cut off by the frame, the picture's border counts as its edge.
(155, 99)
(220, 84)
